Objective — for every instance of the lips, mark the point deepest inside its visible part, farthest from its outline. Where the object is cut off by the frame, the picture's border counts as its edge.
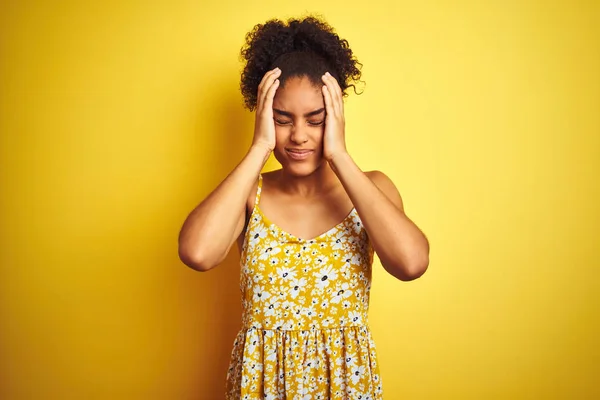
(298, 154)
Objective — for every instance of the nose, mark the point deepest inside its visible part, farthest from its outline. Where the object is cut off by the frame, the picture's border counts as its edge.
(299, 135)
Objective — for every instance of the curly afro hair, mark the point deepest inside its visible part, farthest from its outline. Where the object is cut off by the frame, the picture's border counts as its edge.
(306, 47)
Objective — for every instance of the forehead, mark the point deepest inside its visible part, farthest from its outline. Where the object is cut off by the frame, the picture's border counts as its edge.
(298, 95)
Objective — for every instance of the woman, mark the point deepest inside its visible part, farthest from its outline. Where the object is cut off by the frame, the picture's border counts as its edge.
(307, 231)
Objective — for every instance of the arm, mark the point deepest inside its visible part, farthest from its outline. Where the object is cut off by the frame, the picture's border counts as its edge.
(398, 242)
(214, 225)
(400, 245)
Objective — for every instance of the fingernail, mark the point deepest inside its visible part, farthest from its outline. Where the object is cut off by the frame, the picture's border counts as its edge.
(327, 73)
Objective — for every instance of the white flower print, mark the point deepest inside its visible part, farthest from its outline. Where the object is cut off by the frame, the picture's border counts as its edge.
(270, 249)
(324, 276)
(251, 344)
(338, 240)
(308, 312)
(321, 260)
(357, 372)
(339, 375)
(260, 294)
(297, 311)
(272, 277)
(356, 223)
(271, 355)
(308, 301)
(271, 309)
(286, 273)
(355, 318)
(297, 286)
(350, 359)
(270, 396)
(355, 260)
(288, 325)
(256, 235)
(343, 292)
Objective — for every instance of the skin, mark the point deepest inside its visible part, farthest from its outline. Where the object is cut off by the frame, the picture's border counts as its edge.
(305, 197)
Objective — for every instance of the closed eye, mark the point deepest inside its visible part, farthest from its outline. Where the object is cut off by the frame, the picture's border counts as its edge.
(316, 123)
(281, 122)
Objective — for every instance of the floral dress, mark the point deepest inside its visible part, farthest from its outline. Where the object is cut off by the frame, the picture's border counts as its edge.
(304, 326)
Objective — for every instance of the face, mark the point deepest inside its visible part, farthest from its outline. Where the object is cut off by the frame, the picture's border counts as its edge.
(299, 113)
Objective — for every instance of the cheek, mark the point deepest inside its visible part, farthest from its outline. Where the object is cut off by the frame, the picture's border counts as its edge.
(318, 134)
(281, 134)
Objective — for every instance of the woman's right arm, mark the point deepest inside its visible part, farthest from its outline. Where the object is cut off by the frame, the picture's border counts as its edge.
(215, 224)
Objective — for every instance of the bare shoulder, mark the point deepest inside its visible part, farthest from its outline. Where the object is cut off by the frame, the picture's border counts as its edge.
(251, 197)
(387, 187)
(268, 177)
(249, 208)
(377, 176)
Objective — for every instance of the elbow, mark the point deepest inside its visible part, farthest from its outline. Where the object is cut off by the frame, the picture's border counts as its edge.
(415, 271)
(411, 270)
(416, 265)
(195, 259)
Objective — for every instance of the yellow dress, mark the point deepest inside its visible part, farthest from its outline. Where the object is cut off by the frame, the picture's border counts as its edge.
(305, 332)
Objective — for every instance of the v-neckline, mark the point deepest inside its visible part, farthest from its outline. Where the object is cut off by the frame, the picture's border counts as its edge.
(269, 223)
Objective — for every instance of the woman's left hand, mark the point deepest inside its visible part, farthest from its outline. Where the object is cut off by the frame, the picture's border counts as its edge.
(334, 141)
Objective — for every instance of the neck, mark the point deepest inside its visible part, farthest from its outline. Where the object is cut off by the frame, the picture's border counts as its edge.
(321, 181)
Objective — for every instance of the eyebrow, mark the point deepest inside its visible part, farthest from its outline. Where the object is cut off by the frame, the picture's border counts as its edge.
(308, 114)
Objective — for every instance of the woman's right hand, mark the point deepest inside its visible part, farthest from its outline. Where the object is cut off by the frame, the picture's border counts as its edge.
(264, 126)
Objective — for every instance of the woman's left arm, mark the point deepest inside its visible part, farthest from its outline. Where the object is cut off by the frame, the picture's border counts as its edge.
(400, 245)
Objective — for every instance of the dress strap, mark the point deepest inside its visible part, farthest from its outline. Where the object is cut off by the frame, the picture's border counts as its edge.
(258, 190)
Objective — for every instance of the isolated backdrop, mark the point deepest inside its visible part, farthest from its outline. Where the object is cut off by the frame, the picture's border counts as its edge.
(117, 118)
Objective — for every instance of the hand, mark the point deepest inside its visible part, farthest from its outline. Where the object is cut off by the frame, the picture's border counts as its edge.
(334, 141)
(264, 126)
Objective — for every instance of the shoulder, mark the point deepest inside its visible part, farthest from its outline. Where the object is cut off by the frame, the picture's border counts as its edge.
(381, 180)
(386, 186)
(268, 178)
(377, 176)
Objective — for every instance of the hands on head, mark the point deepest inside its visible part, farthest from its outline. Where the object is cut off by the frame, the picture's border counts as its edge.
(264, 127)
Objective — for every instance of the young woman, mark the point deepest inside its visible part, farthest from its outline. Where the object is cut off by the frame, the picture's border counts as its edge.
(307, 231)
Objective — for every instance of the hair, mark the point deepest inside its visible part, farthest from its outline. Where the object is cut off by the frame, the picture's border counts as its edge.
(306, 47)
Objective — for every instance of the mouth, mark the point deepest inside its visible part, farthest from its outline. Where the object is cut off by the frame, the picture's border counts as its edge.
(298, 154)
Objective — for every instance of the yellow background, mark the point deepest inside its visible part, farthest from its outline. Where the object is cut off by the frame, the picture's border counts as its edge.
(117, 118)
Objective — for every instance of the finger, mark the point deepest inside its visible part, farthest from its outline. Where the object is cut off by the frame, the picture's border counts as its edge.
(328, 101)
(270, 95)
(337, 90)
(266, 84)
(335, 108)
(266, 77)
